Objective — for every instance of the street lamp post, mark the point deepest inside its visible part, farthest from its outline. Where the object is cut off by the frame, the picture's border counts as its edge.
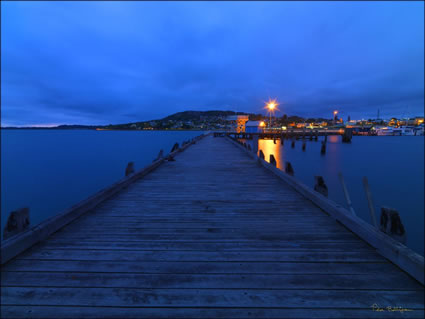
(271, 106)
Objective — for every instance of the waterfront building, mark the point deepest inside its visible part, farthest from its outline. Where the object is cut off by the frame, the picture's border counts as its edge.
(254, 127)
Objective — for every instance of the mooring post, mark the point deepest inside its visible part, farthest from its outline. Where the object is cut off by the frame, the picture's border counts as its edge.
(274, 140)
(316, 136)
(323, 148)
(281, 138)
(160, 155)
(175, 147)
(320, 186)
(326, 137)
(370, 202)
(293, 143)
(261, 155)
(288, 169)
(18, 221)
(390, 223)
(303, 147)
(129, 169)
(347, 196)
(272, 160)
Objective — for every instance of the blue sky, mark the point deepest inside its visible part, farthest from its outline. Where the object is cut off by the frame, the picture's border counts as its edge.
(117, 62)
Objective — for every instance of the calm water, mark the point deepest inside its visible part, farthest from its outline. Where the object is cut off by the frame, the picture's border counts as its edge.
(394, 166)
(50, 170)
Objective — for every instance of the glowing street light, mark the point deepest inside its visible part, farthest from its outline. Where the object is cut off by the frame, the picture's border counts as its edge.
(271, 105)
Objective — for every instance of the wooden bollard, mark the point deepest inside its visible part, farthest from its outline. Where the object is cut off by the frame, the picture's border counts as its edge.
(272, 160)
(320, 186)
(274, 140)
(261, 155)
(160, 155)
(288, 169)
(323, 148)
(293, 144)
(175, 147)
(390, 223)
(303, 147)
(129, 169)
(18, 221)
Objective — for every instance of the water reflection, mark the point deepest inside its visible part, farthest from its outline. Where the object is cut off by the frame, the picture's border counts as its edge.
(270, 148)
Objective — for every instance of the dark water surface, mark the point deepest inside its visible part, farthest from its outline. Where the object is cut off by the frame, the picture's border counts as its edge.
(50, 170)
(394, 166)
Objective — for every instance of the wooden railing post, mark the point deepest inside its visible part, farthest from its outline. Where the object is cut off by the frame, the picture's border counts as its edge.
(129, 169)
(18, 221)
(272, 160)
(261, 155)
(320, 186)
(391, 224)
(289, 169)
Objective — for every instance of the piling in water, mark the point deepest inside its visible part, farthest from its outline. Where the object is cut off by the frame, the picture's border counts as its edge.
(320, 186)
(288, 169)
(390, 223)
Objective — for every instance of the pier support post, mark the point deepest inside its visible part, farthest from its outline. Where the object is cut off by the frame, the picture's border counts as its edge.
(272, 160)
(391, 224)
(304, 145)
(288, 169)
(320, 186)
(323, 148)
(316, 135)
(348, 134)
(18, 221)
(293, 144)
(281, 139)
(129, 169)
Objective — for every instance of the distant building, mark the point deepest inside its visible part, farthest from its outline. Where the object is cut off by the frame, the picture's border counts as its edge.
(254, 126)
(240, 121)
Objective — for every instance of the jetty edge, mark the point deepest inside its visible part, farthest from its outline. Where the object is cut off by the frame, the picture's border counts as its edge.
(17, 244)
(404, 257)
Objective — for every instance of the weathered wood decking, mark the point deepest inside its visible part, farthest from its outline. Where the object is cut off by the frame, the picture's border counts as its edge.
(212, 234)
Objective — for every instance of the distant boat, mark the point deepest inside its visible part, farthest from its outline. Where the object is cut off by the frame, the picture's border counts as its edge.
(384, 131)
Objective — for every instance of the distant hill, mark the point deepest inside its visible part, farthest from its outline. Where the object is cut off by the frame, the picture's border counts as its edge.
(196, 115)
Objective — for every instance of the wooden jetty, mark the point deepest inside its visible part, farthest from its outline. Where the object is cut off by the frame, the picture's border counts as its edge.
(217, 233)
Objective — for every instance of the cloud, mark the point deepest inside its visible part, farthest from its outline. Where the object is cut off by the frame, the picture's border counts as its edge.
(114, 62)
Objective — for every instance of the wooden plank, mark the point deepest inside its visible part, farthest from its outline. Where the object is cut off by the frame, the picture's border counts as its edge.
(209, 246)
(216, 256)
(203, 267)
(392, 281)
(202, 312)
(127, 297)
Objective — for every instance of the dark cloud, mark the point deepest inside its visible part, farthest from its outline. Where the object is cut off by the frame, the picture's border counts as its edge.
(114, 62)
